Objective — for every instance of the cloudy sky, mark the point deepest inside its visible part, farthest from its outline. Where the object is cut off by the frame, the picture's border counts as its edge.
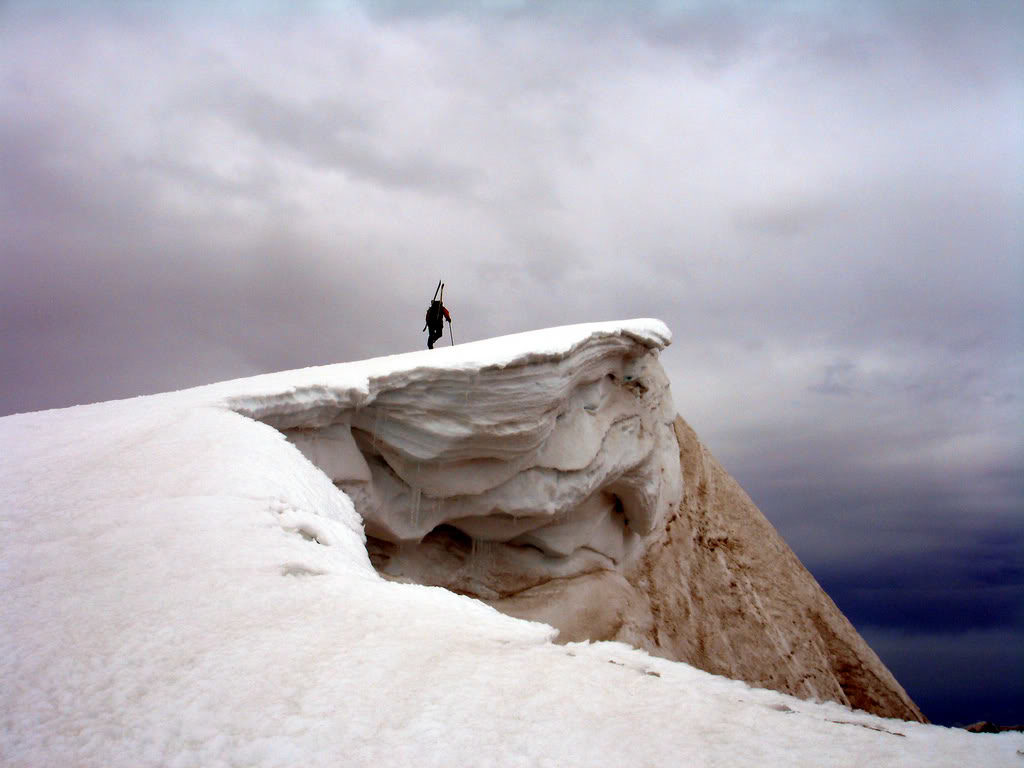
(823, 201)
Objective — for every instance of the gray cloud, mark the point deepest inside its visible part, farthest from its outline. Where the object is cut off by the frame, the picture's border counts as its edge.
(329, 134)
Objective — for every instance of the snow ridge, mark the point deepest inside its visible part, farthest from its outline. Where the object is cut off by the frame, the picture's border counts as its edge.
(182, 587)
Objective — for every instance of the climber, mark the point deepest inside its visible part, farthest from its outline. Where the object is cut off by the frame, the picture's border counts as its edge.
(437, 313)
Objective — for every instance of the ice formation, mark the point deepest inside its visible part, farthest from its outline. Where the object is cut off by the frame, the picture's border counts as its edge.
(492, 479)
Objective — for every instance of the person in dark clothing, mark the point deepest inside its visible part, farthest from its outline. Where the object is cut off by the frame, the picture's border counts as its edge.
(437, 313)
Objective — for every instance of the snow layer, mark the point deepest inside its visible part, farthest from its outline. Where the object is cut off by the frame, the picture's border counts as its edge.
(494, 467)
(182, 587)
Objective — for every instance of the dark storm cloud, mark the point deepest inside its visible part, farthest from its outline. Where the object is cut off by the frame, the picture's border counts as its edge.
(822, 201)
(956, 679)
(975, 584)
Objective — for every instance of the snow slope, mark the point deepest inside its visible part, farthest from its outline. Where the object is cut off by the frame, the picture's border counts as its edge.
(183, 588)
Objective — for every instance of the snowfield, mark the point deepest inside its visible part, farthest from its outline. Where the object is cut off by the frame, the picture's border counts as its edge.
(182, 587)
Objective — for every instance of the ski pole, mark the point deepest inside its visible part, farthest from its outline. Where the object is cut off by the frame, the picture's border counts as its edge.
(450, 334)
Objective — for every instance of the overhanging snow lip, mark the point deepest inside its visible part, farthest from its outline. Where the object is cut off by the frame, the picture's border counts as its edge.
(355, 384)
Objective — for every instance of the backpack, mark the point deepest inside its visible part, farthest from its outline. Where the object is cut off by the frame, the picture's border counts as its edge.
(434, 314)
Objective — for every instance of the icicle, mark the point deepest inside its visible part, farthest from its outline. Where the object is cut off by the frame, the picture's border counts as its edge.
(415, 508)
(481, 557)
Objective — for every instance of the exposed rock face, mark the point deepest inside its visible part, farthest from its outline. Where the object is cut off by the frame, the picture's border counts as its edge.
(561, 487)
(721, 590)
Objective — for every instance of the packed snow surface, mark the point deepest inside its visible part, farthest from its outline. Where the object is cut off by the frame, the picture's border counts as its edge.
(183, 587)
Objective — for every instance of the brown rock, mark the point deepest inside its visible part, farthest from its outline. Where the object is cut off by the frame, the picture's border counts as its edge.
(721, 590)
(984, 726)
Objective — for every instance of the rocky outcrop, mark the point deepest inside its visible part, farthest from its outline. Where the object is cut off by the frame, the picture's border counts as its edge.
(558, 484)
(984, 726)
(721, 590)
